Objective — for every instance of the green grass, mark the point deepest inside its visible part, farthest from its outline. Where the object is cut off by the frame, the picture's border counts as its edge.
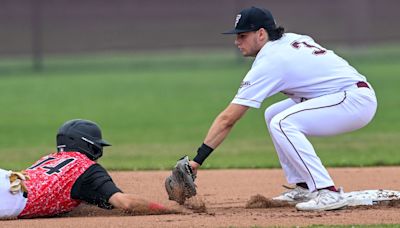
(155, 107)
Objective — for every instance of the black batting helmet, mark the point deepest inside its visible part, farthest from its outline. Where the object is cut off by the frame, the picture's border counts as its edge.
(83, 136)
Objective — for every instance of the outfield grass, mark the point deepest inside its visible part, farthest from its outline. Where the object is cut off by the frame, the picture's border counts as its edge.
(154, 108)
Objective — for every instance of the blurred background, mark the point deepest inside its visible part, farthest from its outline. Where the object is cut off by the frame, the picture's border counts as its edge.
(155, 73)
(46, 27)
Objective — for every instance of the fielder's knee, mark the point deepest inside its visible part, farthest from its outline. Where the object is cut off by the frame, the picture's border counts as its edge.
(273, 125)
(279, 125)
(268, 115)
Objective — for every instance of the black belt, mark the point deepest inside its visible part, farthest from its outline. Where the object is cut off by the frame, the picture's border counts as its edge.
(362, 85)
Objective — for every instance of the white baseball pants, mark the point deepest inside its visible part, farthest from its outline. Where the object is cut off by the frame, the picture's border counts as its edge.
(289, 123)
(10, 205)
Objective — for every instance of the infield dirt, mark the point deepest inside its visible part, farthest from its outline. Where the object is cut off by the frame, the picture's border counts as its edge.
(222, 199)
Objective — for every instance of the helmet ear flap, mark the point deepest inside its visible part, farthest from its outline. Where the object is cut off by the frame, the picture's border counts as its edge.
(95, 151)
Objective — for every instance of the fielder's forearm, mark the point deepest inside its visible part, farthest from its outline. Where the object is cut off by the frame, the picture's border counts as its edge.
(218, 131)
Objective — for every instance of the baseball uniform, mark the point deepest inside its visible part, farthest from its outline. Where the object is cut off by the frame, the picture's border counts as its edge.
(327, 96)
(11, 205)
(58, 183)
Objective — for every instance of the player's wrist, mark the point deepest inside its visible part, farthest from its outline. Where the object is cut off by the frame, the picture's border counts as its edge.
(202, 153)
(156, 207)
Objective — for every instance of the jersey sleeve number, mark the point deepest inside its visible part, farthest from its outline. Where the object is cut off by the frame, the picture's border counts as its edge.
(317, 50)
(52, 169)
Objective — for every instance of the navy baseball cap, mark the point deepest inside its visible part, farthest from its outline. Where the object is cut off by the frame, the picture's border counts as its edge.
(252, 19)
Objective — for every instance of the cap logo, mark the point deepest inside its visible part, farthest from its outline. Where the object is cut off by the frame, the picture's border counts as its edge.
(237, 19)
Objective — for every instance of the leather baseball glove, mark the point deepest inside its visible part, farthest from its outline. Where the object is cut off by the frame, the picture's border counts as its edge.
(180, 184)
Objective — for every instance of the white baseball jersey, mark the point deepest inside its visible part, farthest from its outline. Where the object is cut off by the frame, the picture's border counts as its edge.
(298, 67)
(326, 97)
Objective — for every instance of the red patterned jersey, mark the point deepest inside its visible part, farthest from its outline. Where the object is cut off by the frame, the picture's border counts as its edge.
(51, 181)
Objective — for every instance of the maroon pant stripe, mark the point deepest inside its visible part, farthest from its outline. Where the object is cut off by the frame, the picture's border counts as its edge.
(298, 154)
